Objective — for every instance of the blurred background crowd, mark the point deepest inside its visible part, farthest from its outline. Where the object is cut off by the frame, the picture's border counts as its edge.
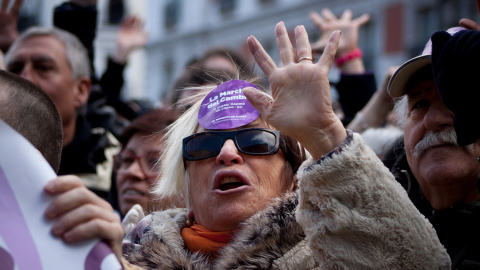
(182, 30)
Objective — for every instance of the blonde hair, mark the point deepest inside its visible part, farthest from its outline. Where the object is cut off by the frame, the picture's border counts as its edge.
(174, 180)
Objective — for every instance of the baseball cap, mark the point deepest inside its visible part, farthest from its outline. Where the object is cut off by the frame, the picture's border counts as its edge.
(398, 82)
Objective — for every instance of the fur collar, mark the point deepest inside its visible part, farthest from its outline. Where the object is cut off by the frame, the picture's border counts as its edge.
(260, 242)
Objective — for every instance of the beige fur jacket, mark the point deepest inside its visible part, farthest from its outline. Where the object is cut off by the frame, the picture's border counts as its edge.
(348, 213)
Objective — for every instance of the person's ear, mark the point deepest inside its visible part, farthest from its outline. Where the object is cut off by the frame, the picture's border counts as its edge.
(83, 86)
(294, 185)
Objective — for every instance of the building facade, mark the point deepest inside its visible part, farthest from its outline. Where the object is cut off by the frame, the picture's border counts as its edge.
(181, 30)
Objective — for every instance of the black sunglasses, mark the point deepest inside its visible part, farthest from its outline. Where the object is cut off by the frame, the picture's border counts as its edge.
(251, 141)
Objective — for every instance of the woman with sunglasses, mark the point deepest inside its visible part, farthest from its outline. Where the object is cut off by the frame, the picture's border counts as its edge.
(237, 169)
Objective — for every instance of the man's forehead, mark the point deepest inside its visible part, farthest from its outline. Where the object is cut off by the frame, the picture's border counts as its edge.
(421, 88)
(47, 45)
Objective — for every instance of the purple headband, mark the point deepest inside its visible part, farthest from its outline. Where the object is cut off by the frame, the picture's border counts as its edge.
(226, 107)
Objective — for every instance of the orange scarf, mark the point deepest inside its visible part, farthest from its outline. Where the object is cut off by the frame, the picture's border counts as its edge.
(197, 238)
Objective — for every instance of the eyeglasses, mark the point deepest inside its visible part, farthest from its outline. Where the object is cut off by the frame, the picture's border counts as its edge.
(252, 141)
(148, 163)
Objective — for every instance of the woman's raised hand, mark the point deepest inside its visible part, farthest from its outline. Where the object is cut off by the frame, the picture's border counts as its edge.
(80, 214)
(302, 106)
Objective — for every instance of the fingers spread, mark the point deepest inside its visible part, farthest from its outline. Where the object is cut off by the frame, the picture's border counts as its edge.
(362, 20)
(264, 61)
(258, 100)
(304, 51)
(5, 5)
(16, 7)
(284, 45)
(330, 50)
(346, 15)
(317, 20)
(328, 15)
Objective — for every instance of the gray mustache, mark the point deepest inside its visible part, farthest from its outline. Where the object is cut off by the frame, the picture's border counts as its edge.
(432, 139)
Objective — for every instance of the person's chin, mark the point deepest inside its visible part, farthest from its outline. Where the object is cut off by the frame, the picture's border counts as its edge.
(442, 155)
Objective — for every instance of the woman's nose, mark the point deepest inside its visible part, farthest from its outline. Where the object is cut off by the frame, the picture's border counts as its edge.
(229, 154)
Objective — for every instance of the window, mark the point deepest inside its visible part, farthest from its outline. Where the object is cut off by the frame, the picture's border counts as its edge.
(115, 11)
(172, 13)
(167, 71)
(426, 25)
(227, 6)
(263, 2)
(394, 31)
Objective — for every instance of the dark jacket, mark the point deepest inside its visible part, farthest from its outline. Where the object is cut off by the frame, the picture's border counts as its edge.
(354, 92)
(90, 156)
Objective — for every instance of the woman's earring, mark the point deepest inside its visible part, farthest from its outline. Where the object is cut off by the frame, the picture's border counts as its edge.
(190, 219)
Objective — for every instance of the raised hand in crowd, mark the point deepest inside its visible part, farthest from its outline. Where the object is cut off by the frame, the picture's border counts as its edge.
(130, 37)
(82, 215)
(8, 23)
(327, 22)
(470, 24)
(302, 106)
(376, 111)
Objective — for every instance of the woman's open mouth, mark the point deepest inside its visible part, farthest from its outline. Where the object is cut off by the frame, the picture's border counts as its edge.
(230, 182)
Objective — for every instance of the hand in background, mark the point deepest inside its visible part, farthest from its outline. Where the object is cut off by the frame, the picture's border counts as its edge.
(469, 24)
(376, 112)
(131, 36)
(328, 22)
(8, 23)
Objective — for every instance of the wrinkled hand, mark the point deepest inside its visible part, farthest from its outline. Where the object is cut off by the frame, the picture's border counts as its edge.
(328, 22)
(80, 214)
(8, 23)
(302, 106)
(131, 36)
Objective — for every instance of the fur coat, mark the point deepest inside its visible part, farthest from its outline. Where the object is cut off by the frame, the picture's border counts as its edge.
(348, 213)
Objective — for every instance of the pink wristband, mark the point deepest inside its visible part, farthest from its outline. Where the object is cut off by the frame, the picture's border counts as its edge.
(357, 53)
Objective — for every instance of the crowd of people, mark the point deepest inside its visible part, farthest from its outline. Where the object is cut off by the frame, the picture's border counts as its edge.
(238, 173)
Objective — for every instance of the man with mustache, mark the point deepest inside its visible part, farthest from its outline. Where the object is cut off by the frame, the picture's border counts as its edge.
(437, 98)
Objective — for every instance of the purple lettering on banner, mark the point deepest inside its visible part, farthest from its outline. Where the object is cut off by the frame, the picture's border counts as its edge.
(226, 107)
(96, 256)
(15, 232)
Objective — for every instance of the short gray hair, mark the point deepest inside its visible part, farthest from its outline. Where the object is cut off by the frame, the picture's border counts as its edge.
(400, 110)
(75, 52)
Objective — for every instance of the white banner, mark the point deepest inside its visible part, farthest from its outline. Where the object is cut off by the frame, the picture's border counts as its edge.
(25, 239)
